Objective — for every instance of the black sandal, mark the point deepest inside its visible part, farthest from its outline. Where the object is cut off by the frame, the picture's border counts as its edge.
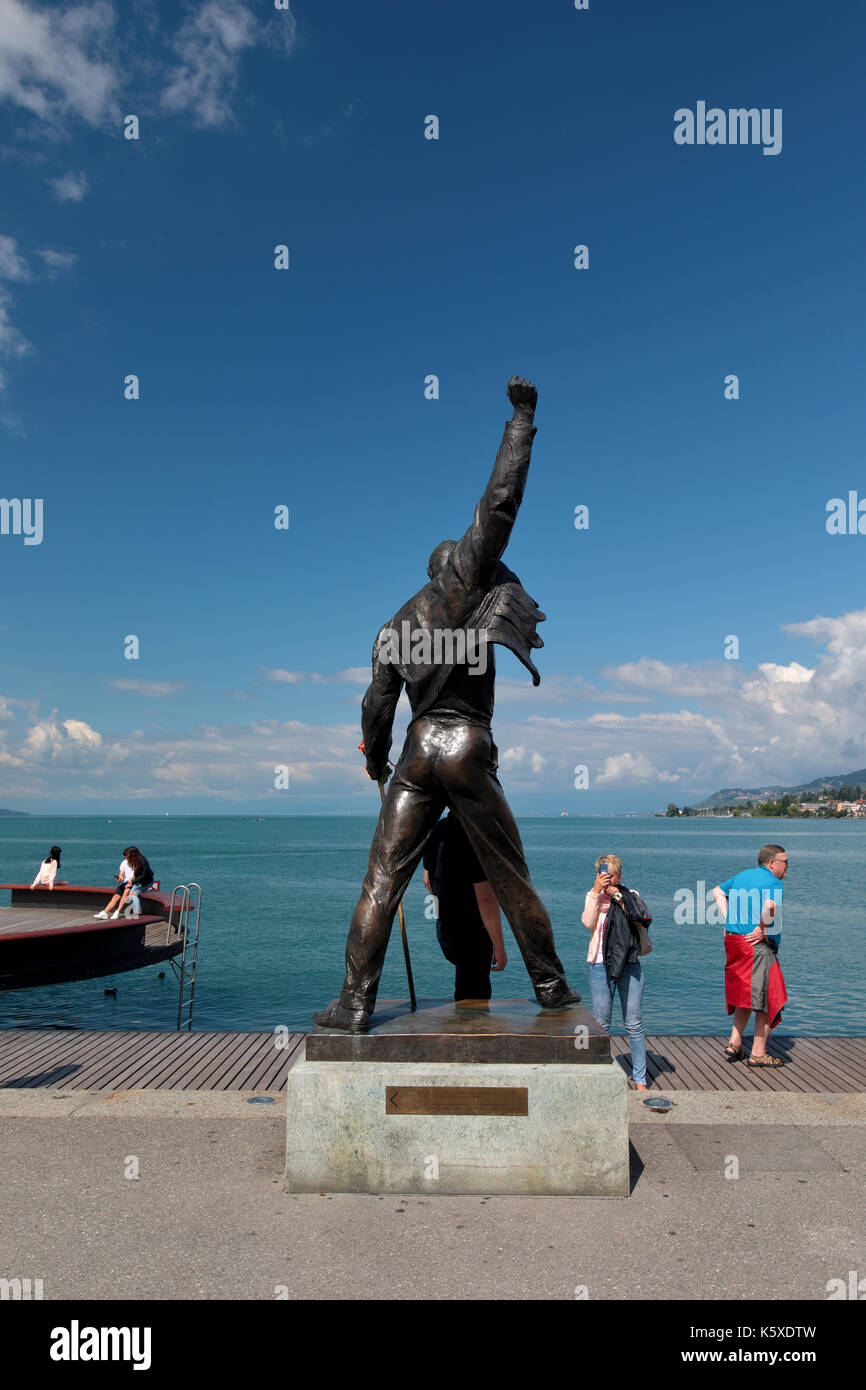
(733, 1054)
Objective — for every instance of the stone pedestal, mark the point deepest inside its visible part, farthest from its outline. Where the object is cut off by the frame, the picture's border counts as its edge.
(459, 1100)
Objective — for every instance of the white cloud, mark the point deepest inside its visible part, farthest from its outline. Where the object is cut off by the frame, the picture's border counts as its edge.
(286, 677)
(82, 734)
(522, 758)
(351, 675)
(67, 62)
(210, 45)
(12, 264)
(793, 674)
(57, 260)
(632, 769)
(181, 774)
(141, 687)
(69, 741)
(70, 188)
(778, 723)
(682, 682)
(13, 344)
(58, 62)
(68, 760)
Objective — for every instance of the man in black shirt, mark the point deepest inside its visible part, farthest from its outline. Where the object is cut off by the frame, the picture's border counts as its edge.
(468, 925)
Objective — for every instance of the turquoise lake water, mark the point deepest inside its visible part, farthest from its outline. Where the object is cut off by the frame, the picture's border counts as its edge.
(278, 896)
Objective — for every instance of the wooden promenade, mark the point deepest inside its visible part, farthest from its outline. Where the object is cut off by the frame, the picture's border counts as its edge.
(130, 1060)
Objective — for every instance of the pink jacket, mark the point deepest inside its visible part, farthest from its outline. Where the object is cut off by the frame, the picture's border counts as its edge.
(46, 875)
(594, 914)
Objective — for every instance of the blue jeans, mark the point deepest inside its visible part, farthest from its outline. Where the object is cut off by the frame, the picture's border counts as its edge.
(135, 897)
(630, 986)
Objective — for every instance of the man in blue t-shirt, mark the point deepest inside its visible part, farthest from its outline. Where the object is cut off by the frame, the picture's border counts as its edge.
(750, 905)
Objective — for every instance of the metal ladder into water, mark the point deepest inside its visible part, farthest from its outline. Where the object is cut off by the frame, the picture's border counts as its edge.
(187, 925)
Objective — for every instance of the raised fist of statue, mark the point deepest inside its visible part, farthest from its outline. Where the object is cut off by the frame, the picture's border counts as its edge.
(522, 394)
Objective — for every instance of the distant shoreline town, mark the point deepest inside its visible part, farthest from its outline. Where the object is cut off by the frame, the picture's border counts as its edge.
(827, 798)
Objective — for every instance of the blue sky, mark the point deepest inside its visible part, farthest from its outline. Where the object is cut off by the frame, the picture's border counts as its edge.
(305, 387)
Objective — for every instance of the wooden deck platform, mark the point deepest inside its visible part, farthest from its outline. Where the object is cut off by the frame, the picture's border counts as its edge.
(53, 937)
(129, 1060)
(53, 919)
(18, 919)
(15, 920)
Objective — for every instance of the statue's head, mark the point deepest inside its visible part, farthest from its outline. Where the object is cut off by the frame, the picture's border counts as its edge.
(440, 557)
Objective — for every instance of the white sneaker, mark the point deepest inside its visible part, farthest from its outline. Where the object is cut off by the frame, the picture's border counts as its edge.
(115, 914)
(101, 916)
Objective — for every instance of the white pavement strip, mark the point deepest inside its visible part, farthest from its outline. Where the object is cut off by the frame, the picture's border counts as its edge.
(688, 1107)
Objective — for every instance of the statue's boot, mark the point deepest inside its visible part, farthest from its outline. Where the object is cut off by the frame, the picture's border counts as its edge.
(560, 999)
(347, 1020)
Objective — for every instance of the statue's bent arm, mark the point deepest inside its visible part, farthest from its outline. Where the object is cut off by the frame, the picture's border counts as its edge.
(377, 712)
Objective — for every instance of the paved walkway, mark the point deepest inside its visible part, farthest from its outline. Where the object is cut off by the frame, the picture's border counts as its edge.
(207, 1216)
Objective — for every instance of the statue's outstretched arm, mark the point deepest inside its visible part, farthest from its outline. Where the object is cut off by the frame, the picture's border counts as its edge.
(483, 543)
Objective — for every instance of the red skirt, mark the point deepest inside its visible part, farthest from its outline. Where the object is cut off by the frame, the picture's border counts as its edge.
(753, 977)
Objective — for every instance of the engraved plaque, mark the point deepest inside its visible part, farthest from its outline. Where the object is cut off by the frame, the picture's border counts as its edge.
(456, 1100)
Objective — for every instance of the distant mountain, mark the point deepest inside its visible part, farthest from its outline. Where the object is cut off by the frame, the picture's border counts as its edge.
(729, 796)
(14, 813)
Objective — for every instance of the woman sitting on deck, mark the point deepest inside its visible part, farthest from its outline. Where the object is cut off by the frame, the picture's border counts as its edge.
(48, 870)
(129, 873)
(142, 880)
(123, 876)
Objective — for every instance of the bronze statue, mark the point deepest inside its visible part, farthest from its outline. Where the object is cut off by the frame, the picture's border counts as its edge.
(440, 646)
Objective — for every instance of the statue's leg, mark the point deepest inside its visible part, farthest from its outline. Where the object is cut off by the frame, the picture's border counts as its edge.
(476, 796)
(412, 807)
